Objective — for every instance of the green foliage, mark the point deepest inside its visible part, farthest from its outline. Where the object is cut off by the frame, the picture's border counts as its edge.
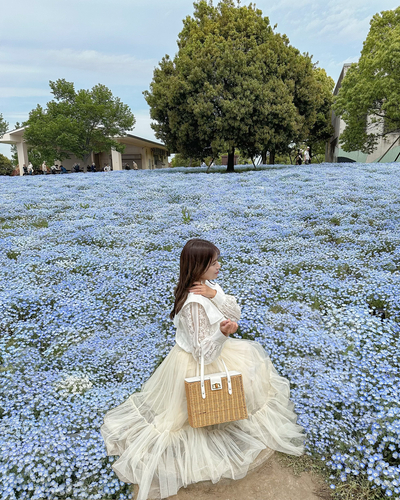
(40, 223)
(322, 128)
(234, 83)
(185, 215)
(77, 122)
(14, 154)
(369, 98)
(180, 161)
(3, 126)
(6, 167)
(11, 254)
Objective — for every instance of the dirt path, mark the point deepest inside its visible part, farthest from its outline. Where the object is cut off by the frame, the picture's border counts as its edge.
(270, 481)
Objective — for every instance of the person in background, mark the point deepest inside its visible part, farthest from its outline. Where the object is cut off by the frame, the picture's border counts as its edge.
(44, 168)
(134, 165)
(25, 169)
(299, 157)
(30, 168)
(307, 157)
(53, 169)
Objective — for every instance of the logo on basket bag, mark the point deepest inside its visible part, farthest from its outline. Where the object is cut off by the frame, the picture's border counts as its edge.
(216, 382)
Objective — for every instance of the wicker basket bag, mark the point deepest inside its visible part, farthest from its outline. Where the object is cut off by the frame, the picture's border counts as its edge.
(215, 398)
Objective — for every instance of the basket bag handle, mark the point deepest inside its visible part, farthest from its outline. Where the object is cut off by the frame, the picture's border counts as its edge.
(228, 376)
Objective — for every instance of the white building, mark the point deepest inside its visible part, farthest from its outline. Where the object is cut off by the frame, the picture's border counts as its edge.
(146, 154)
(387, 150)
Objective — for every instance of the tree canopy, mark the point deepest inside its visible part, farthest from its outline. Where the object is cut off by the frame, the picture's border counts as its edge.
(234, 83)
(369, 98)
(6, 167)
(77, 122)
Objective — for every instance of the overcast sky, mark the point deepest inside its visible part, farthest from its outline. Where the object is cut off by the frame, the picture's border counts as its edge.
(119, 44)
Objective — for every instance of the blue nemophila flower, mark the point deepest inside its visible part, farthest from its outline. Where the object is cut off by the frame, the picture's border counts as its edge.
(89, 272)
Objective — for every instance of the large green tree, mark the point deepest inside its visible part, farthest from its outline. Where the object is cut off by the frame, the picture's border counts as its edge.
(77, 122)
(233, 83)
(369, 98)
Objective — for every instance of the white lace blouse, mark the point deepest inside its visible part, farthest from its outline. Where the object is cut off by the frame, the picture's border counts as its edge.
(197, 323)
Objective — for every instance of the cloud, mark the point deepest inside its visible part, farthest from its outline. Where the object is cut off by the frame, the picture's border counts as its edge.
(285, 6)
(6, 92)
(123, 68)
(49, 64)
(333, 22)
(344, 25)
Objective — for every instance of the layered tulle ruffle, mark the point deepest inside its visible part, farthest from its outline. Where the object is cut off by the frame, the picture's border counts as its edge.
(159, 451)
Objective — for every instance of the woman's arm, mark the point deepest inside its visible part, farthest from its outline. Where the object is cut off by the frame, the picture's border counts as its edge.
(227, 305)
(197, 326)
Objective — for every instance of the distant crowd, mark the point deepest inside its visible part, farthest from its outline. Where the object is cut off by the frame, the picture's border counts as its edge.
(60, 169)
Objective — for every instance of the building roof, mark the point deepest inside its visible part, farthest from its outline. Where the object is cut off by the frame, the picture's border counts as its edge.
(346, 66)
(137, 139)
(14, 136)
(16, 133)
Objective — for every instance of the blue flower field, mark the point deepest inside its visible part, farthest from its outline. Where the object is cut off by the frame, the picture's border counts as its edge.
(89, 263)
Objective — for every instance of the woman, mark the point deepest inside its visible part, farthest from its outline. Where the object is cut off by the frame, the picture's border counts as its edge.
(150, 432)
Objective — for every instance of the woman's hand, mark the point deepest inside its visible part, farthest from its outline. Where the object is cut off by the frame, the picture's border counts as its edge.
(227, 327)
(199, 288)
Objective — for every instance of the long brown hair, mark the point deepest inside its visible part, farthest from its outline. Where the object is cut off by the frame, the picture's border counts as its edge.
(196, 257)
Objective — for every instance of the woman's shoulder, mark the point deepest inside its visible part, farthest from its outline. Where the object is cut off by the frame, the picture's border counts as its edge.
(213, 313)
(194, 298)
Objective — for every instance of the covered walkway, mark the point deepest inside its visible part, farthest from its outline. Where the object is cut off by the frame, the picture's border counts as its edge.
(145, 153)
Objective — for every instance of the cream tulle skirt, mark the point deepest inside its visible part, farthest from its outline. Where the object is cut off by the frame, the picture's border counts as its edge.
(159, 451)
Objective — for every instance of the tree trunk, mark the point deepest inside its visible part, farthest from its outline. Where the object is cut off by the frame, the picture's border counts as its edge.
(264, 157)
(231, 160)
(272, 157)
